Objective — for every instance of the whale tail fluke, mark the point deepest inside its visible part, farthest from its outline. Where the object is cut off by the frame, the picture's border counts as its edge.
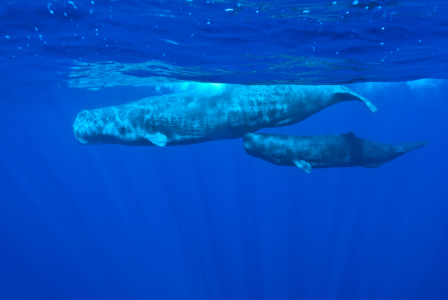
(347, 94)
(409, 146)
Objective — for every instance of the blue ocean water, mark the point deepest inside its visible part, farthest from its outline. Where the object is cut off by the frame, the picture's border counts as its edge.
(208, 221)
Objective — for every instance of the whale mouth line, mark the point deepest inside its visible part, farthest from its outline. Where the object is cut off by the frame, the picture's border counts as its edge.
(91, 135)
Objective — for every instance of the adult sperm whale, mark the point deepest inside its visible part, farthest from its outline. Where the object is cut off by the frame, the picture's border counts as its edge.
(202, 115)
(325, 151)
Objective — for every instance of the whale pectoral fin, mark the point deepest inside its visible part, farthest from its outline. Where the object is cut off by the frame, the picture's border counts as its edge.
(303, 165)
(158, 139)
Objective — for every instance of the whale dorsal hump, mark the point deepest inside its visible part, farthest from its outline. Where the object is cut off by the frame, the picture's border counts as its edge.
(158, 139)
(303, 165)
(350, 134)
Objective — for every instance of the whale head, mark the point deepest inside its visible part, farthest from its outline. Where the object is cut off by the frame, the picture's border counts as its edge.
(251, 142)
(264, 146)
(111, 126)
(99, 126)
(88, 127)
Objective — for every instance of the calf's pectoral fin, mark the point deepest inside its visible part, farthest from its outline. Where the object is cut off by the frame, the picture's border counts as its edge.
(157, 139)
(303, 165)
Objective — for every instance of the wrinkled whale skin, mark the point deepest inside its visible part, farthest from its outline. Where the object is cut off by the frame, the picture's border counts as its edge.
(324, 151)
(200, 116)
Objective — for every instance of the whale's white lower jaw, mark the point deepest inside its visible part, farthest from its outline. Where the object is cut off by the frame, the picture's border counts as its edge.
(80, 136)
(85, 134)
(82, 141)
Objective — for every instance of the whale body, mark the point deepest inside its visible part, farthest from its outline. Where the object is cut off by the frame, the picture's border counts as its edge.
(325, 151)
(200, 116)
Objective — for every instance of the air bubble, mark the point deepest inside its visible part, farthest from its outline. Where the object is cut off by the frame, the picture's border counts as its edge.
(72, 3)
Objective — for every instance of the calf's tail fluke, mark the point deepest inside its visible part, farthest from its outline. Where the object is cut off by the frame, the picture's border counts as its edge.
(409, 146)
(346, 94)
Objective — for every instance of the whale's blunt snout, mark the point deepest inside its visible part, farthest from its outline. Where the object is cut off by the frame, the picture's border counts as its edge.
(82, 127)
(248, 136)
(78, 127)
(248, 141)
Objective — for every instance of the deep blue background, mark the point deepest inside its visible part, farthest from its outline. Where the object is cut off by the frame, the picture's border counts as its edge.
(207, 221)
